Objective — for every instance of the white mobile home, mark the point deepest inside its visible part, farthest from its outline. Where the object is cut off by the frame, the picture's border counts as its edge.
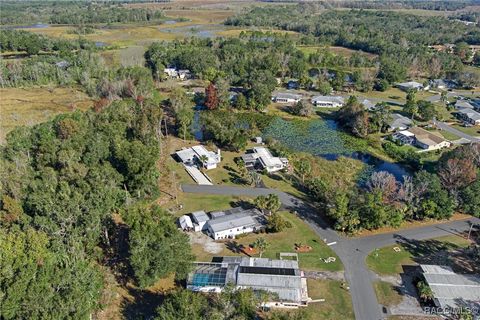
(328, 101)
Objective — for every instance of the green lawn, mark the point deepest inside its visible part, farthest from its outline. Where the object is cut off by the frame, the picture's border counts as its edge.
(207, 202)
(386, 293)
(386, 261)
(337, 304)
(473, 131)
(282, 242)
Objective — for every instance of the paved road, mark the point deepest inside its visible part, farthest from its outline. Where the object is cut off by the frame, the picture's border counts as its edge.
(446, 127)
(352, 252)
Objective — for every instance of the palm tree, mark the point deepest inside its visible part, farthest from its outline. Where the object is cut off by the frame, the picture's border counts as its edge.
(273, 203)
(261, 203)
(261, 244)
(203, 159)
(303, 168)
(424, 291)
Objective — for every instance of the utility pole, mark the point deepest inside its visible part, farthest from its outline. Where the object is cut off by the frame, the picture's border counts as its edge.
(470, 231)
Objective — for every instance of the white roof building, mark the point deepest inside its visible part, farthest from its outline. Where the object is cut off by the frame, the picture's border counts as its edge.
(199, 154)
(410, 85)
(233, 223)
(328, 101)
(286, 97)
(185, 222)
(261, 156)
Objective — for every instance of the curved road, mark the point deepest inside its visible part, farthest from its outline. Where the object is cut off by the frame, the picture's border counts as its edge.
(352, 251)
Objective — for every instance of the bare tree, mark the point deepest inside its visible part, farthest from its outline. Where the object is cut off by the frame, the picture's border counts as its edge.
(457, 173)
(386, 183)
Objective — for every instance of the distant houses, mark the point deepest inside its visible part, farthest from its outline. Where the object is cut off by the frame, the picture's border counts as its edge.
(261, 158)
(199, 155)
(282, 278)
(286, 97)
(410, 85)
(174, 73)
(399, 122)
(225, 224)
(421, 138)
(328, 101)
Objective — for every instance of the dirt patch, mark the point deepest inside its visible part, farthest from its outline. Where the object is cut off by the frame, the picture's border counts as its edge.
(303, 248)
(207, 243)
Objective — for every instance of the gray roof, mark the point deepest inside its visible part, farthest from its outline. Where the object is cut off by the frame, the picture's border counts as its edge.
(200, 216)
(460, 104)
(399, 121)
(336, 99)
(233, 220)
(287, 95)
(470, 113)
(451, 289)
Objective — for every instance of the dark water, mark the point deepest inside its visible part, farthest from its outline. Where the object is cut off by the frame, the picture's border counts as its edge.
(324, 139)
(100, 44)
(31, 26)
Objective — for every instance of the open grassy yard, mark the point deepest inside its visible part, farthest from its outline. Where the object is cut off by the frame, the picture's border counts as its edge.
(346, 52)
(473, 131)
(337, 304)
(279, 242)
(387, 261)
(386, 293)
(30, 106)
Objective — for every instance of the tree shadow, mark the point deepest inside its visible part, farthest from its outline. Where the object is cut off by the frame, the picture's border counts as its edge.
(234, 246)
(436, 252)
(242, 203)
(142, 305)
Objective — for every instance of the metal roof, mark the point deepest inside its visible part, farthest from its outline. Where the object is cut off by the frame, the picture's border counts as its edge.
(336, 99)
(287, 95)
(399, 121)
(200, 216)
(451, 289)
(231, 221)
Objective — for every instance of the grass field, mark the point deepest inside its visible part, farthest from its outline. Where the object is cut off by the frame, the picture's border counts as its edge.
(337, 304)
(283, 241)
(386, 261)
(34, 105)
(386, 293)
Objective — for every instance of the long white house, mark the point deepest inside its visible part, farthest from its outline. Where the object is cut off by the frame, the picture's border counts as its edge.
(328, 101)
(286, 97)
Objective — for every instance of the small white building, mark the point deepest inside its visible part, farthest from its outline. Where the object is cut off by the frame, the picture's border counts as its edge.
(410, 85)
(200, 219)
(286, 97)
(185, 223)
(399, 122)
(232, 224)
(177, 74)
(328, 101)
(262, 158)
(199, 155)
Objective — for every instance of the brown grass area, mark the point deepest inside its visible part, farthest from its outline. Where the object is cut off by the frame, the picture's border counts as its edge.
(30, 106)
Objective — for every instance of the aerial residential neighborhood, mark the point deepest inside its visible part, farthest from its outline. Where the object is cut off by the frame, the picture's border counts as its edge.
(240, 159)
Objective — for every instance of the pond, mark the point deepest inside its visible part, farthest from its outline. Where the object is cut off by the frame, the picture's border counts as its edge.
(31, 26)
(196, 30)
(324, 139)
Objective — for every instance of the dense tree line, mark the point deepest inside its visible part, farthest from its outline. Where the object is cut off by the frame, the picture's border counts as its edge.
(384, 201)
(73, 12)
(400, 39)
(230, 304)
(448, 5)
(252, 62)
(60, 182)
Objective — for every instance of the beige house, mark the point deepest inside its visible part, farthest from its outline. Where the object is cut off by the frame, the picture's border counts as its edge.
(427, 140)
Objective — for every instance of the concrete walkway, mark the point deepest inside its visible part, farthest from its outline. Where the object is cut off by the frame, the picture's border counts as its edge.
(352, 251)
(197, 175)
